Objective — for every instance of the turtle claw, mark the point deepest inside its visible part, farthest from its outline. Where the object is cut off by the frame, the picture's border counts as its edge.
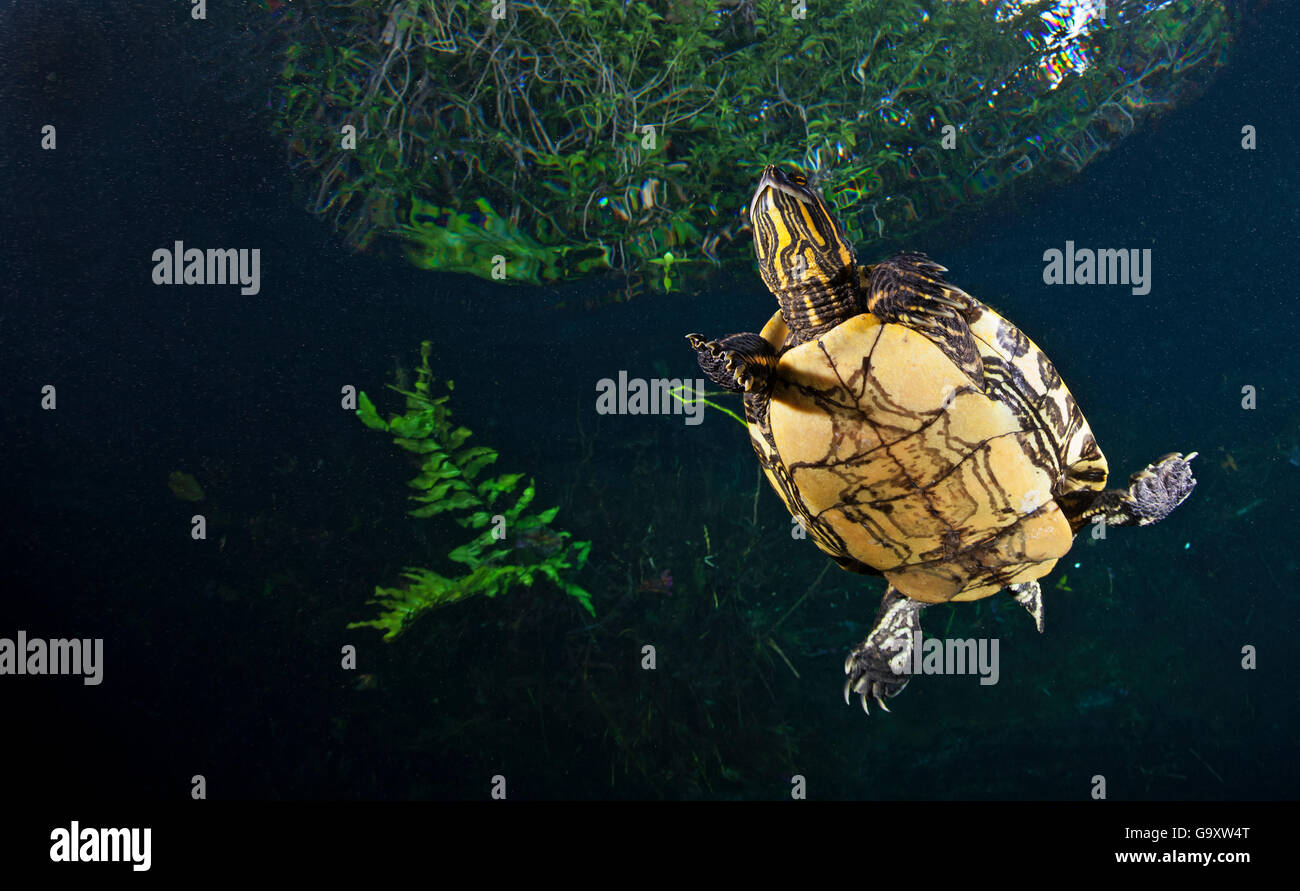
(877, 668)
(1155, 490)
(871, 676)
(862, 690)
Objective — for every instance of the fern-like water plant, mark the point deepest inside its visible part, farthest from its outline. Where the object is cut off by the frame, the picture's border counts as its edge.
(514, 545)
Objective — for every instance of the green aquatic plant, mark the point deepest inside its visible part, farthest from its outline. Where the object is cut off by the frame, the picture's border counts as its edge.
(478, 240)
(686, 395)
(574, 136)
(514, 545)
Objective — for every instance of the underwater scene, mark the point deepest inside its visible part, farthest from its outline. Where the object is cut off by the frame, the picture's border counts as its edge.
(608, 400)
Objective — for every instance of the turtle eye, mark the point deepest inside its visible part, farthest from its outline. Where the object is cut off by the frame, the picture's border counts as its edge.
(798, 179)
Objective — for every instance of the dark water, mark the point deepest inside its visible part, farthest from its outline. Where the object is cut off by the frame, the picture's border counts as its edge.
(222, 657)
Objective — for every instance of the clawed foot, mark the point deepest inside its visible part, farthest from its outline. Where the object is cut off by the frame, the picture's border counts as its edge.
(1160, 487)
(741, 363)
(871, 675)
(878, 667)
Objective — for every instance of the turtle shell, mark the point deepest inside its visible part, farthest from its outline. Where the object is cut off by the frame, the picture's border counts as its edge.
(892, 458)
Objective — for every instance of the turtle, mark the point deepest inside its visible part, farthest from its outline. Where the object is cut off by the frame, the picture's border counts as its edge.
(912, 431)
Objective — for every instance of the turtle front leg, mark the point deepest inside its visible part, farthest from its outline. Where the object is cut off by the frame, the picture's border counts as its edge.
(879, 666)
(742, 363)
(1153, 492)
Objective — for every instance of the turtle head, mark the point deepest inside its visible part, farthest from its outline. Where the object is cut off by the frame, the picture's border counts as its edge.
(803, 255)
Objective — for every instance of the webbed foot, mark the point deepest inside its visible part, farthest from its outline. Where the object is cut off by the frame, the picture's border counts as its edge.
(879, 666)
(741, 363)
(1153, 493)
(1158, 488)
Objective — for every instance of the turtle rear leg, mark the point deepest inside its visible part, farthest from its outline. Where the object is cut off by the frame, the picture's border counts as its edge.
(1153, 492)
(878, 667)
(742, 363)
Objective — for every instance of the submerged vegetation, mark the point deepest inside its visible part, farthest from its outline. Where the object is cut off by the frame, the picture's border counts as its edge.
(514, 545)
(577, 135)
